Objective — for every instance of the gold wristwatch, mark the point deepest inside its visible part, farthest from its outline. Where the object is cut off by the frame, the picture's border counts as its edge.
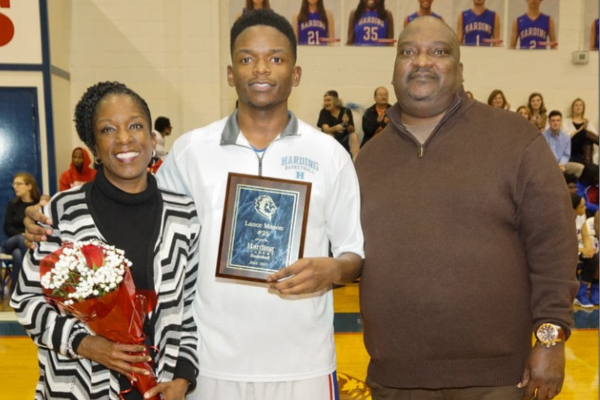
(549, 334)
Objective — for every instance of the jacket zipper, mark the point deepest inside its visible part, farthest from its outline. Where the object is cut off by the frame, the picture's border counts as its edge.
(421, 146)
(259, 157)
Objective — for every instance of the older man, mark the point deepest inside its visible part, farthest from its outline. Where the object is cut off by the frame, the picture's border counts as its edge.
(479, 250)
(374, 118)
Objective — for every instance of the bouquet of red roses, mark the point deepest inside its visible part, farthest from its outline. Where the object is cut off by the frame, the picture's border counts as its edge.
(92, 281)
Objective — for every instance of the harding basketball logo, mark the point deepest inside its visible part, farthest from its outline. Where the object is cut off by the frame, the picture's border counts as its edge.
(300, 164)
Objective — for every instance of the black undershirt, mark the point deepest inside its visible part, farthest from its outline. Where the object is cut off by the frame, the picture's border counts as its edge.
(129, 222)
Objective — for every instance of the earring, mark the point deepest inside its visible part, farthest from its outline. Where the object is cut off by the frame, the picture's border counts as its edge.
(97, 161)
(153, 153)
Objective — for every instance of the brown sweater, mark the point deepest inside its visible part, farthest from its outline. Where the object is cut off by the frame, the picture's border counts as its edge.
(470, 245)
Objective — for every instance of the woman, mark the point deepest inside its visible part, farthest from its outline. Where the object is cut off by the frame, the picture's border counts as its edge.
(313, 25)
(27, 194)
(587, 256)
(498, 100)
(158, 231)
(583, 134)
(371, 24)
(537, 111)
(79, 171)
(524, 112)
(253, 5)
(337, 121)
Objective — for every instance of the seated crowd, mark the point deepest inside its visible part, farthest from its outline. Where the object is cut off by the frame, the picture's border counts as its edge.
(573, 139)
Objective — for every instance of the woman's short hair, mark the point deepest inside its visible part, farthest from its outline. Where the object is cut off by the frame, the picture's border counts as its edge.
(85, 110)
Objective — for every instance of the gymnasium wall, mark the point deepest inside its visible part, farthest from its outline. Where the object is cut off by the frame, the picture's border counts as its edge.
(175, 53)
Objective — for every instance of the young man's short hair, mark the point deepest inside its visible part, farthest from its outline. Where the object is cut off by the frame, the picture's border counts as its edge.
(266, 17)
(161, 123)
(554, 113)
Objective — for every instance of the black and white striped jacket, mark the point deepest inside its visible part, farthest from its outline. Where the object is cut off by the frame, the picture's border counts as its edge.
(175, 268)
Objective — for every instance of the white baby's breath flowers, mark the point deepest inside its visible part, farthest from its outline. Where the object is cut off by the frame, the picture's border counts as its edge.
(74, 280)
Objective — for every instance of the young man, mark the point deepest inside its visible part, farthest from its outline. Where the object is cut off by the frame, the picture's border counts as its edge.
(534, 29)
(275, 341)
(479, 236)
(374, 118)
(162, 129)
(478, 26)
(79, 171)
(559, 141)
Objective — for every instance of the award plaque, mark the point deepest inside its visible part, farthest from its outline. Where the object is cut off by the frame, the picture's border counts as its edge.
(264, 223)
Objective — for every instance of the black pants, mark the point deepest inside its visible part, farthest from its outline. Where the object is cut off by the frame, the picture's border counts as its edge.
(589, 269)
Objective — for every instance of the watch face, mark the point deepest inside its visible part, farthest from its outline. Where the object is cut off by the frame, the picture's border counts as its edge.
(547, 333)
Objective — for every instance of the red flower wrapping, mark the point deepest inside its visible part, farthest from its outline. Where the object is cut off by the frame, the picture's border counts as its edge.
(118, 315)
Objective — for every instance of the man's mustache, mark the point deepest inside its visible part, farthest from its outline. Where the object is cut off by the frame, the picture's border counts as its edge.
(421, 73)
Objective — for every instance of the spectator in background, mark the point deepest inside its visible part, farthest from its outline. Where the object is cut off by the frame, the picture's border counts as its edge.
(424, 9)
(498, 100)
(592, 225)
(559, 141)
(524, 112)
(534, 29)
(582, 132)
(337, 121)
(253, 5)
(478, 26)
(79, 171)
(370, 24)
(27, 194)
(571, 182)
(588, 256)
(587, 187)
(162, 129)
(155, 163)
(374, 118)
(537, 110)
(314, 24)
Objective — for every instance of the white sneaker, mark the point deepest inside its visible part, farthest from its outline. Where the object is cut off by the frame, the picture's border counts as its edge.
(584, 303)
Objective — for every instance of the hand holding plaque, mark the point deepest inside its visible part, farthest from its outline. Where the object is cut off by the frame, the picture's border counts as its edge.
(264, 223)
